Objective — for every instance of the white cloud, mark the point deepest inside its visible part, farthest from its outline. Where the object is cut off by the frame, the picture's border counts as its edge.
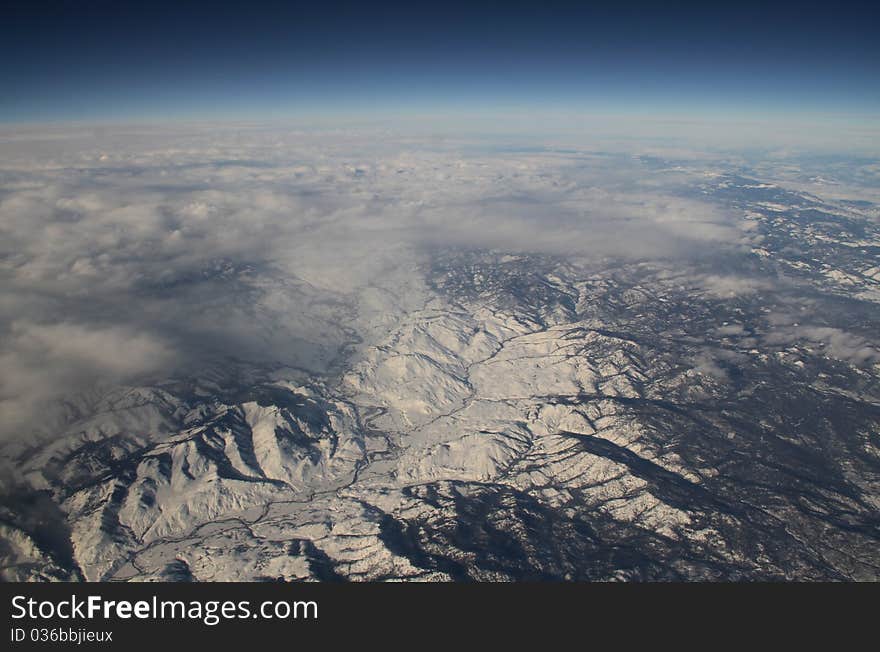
(837, 343)
(123, 247)
(727, 286)
(42, 362)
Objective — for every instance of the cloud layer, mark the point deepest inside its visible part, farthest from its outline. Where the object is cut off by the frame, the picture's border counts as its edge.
(133, 253)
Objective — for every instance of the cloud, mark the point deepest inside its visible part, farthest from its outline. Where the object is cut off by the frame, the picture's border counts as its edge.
(41, 363)
(731, 285)
(127, 253)
(706, 364)
(837, 343)
(730, 329)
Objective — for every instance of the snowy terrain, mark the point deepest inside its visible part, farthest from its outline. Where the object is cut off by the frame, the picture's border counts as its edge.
(276, 357)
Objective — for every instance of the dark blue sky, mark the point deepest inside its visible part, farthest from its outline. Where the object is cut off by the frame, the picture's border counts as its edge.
(97, 60)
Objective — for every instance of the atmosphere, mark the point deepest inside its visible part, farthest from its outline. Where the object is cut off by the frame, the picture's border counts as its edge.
(99, 60)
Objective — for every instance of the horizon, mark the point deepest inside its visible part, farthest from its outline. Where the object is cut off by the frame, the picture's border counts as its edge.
(100, 61)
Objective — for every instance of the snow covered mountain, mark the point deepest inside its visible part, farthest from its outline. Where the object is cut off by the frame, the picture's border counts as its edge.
(488, 413)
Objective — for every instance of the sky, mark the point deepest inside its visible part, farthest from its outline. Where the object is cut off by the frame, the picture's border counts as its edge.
(97, 60)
